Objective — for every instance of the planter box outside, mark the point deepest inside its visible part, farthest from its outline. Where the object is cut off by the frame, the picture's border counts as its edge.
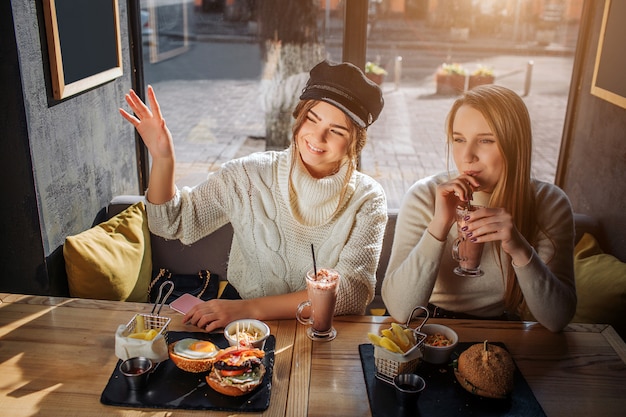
(450, 84)
(377, 78)
(476, 80)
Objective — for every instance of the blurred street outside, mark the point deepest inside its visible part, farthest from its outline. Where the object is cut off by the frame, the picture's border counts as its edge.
(210, 97)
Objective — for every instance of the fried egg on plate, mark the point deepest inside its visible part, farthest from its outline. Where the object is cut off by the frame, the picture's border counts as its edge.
(195, 349)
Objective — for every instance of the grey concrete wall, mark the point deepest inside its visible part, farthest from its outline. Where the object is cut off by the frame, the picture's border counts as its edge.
(592, 164)
(81, 151)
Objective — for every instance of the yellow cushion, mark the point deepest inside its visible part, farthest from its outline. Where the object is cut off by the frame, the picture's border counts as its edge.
(113, 260)
(600, 285)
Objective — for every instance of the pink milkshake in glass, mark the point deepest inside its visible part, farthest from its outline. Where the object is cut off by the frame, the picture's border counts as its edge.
(322, 292)
(467, 253)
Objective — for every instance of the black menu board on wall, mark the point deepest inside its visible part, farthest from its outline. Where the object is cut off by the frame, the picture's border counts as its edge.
(84, 44)
(609, 81)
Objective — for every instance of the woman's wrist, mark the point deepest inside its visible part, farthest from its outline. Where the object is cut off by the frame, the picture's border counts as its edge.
(251, 308)
(161, 187)
(438, 230)
(521, 257)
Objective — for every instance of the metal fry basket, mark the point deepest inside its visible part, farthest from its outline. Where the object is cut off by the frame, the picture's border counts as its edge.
(389, 364)
(152, 321)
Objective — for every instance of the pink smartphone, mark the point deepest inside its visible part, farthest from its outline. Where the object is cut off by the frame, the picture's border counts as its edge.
(184, 303)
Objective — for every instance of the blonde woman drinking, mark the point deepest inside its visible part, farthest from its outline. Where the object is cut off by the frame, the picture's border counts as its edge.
(525, 225)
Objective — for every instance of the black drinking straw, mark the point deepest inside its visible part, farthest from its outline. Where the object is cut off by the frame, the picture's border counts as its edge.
(314, 266)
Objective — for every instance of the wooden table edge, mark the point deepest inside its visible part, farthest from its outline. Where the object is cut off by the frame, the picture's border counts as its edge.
(616, 342)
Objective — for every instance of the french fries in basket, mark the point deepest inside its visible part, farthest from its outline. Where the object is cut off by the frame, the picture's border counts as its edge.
(398, 348)
(396, 339)
(401, 339)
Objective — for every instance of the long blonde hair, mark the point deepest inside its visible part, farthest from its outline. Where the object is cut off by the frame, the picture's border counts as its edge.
(357, 137)
(507, 116)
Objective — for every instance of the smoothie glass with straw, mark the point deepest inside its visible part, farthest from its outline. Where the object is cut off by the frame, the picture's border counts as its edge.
(322, 291)
(467, 253)
(321, 287)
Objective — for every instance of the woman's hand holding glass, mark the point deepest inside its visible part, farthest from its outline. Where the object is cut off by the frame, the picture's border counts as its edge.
(449, 195)
(489, 224)
(486, 224)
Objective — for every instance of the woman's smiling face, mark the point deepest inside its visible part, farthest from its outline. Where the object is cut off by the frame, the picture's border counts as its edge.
(475, 148)
(323, 139)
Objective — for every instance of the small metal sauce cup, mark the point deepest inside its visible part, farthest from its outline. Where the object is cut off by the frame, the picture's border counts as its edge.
(136, 372)
(408, 389)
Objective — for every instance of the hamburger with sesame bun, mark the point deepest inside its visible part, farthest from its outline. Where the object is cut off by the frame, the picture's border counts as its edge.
(486, 370)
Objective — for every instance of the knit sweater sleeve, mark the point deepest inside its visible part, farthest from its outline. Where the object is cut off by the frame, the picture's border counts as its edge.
(194, 213)
(415, 254)
(547, 280)
(359, 256)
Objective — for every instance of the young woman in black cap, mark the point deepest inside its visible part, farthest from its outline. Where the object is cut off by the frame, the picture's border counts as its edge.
(281, 203)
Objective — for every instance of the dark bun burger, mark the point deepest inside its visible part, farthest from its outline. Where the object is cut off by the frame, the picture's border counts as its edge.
(486, 370)
(237, 371)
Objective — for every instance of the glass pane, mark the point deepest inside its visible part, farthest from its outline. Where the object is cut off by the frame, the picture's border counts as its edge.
(205, 69)
(210, 73)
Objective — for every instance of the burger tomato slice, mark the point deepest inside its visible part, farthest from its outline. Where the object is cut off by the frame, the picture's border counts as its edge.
(232, 372)
(237, 370)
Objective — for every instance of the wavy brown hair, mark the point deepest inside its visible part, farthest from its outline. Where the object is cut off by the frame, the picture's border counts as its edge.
(507, 116)
(357, 137)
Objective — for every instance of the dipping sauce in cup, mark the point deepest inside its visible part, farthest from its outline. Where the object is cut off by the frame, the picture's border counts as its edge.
(408, 389)
(136, 372)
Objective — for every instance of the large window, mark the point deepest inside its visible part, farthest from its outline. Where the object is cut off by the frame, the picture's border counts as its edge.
(211, 74)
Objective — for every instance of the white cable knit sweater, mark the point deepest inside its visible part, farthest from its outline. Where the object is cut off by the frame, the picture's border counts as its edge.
(271, 249)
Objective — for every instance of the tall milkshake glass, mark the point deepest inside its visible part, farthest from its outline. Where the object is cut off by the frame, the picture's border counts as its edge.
(322, 293)
(467, 253)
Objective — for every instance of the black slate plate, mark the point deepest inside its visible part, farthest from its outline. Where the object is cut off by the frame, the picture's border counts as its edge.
(443, 395)
(170, 387)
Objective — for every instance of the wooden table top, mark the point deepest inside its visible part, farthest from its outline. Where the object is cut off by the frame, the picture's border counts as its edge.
(57, 354)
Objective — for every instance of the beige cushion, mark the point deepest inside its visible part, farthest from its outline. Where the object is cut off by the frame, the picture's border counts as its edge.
(600, 285)
(113, 260)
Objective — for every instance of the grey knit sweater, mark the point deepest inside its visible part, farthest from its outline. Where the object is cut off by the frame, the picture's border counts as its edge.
(420, 267)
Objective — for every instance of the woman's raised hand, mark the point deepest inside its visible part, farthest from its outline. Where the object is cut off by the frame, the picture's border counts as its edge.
(150, 124)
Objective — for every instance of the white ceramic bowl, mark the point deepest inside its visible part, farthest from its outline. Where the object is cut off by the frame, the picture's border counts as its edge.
(439, 354)
(252, 332)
